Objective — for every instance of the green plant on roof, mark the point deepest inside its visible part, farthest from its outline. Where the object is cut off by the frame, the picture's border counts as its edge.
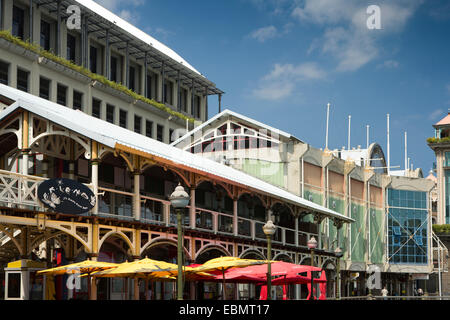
(6, 34)
(438, 140)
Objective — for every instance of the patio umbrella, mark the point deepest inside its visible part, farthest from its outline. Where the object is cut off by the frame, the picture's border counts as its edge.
(88, 267)
(224, 263)
(278, 268)
(150, 269)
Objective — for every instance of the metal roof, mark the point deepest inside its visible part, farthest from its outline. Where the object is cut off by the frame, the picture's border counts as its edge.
(113, 136)
(99, 20)
(236, 116)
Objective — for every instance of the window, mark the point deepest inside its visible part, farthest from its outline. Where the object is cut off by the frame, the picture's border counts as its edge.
(149, 86)
(4, 72)
(22, 79)
(110, 113)
(96, 108)
(45, 35)
(71, 47)
(18, 22)
(407, 226)
(44, 88)
(197, 107)
(132, 79)
(61, 94)
(149, 128)
(183, 99)
(168, 92)
(93, 59)
(171, 136)
(113, 69)
(160, 133)
(137, 124)
(77, 100)
(122, 118)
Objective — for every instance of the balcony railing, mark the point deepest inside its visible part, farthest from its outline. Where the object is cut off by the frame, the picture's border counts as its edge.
(20, 191)
(114, 203)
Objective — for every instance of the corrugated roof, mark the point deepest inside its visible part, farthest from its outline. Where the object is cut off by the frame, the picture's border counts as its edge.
(112, 135)
(224, 114)
(108, 15)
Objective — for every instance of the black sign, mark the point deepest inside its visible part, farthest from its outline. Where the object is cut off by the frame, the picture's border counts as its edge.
(66, 196)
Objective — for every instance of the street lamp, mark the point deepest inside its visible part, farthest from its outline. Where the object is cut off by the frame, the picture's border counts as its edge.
(338, 253)
(312, 244)
(179, 199)
(269, 230)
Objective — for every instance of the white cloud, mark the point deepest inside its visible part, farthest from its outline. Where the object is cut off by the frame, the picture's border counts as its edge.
(346, 37)
(128, 10)
(389, 64)
(282, 80)
(436, 114)
(303, 71)
(264, 33)
(273, 90)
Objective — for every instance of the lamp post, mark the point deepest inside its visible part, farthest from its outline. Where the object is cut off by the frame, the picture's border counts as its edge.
(179, 199)
(269, 230)
(338, 253)
(312, 244)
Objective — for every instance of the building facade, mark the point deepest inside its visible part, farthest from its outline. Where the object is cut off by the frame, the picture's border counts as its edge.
(134, 95)
(393, 214)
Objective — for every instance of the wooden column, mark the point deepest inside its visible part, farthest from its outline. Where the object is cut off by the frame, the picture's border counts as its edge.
(94, 176)
(192, 208)
(235, 216)
(107, 56)
(25, 142)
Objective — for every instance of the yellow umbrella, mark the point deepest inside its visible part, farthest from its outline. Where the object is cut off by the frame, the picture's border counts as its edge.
(50, 288)
(225, 263)
(148, 269)
(87, 266)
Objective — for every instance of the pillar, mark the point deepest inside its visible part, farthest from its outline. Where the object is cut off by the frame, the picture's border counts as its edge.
(107, 56)
(94, 176)
(136, 195)
(235, 216)
(58, 28)
(192, 212)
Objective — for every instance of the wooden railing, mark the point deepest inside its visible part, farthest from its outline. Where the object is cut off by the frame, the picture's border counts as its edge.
(17, 190)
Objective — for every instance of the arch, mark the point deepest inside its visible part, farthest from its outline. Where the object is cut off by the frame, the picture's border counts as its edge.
(306, 260)
(327, 262)
(178, 177)
(376, 157)
(212, 246)
(120, 234)
(161, 240)
(214, 183)
(252, 194)
(251, 251)
(281, 255)
(13, 239)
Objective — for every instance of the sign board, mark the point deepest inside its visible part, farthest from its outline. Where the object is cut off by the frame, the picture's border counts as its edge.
(66, 196)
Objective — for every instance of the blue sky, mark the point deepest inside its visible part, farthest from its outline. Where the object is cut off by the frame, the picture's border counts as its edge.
(282, 61)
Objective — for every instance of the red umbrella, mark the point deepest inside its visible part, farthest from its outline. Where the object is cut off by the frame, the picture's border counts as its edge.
(279, 268)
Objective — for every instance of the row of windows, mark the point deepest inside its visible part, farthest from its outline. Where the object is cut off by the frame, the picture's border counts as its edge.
(407, 235)
(235, 142)
(77, 103)
(123, 120)
(407, 199)
(95, 65)
(23, 80)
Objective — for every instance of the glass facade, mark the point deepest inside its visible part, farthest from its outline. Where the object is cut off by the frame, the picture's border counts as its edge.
(407, 227)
